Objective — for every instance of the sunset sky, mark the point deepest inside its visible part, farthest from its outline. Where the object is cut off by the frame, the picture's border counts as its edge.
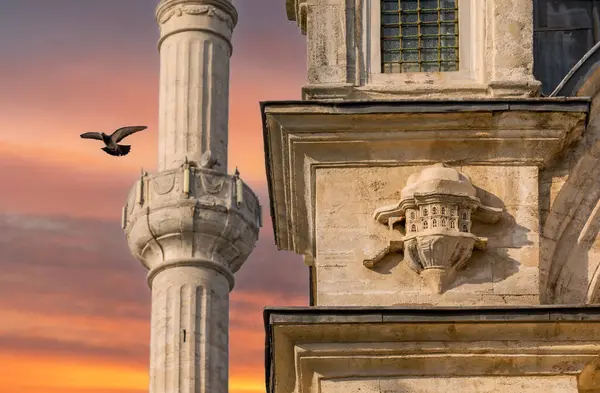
(74, 304)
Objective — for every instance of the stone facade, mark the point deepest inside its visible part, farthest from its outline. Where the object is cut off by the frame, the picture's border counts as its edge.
(325, 198)
(411, 192)
(496, 44)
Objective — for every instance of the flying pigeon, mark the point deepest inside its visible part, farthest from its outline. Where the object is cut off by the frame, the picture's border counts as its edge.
(111, 141)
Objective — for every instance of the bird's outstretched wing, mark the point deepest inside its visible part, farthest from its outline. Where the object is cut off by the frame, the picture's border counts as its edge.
(123, 132)
(92, 135)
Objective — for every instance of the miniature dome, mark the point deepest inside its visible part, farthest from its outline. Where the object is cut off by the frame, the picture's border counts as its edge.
(438, 179)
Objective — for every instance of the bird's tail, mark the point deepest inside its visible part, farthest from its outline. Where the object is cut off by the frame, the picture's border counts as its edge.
(124, 149)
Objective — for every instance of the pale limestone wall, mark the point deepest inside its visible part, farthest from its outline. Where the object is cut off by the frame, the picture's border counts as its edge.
(507, 272)
(328, 60)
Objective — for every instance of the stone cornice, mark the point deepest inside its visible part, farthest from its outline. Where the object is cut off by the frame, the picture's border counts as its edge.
(299, 137)
(305, 346)
(220, 9)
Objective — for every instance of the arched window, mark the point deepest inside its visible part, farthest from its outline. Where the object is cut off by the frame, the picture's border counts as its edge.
(434, 210)
(412, 215)
(444, 223)
(464, 215)
(425, 225)
(425, 212)
(413, 228)
(465, 228)
(434, 224)
(452, 225)
(443, 210)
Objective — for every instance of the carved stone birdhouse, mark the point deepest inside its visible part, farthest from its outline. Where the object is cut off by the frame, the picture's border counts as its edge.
(437, 207)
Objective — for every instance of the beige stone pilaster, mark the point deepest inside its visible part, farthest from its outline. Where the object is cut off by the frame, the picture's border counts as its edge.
(510, 48)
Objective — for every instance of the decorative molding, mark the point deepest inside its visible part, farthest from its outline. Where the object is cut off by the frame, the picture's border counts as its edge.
(197, 10)
(305, 349)
(163, 185)
(355, 134)
(437, 206)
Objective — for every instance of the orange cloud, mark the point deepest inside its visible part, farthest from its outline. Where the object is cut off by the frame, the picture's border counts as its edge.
(37, 373)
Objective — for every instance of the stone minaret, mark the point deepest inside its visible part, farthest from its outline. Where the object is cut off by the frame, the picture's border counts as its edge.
(191, 224)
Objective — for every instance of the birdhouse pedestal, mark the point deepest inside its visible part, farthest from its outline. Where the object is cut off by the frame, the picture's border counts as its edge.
(437, 206)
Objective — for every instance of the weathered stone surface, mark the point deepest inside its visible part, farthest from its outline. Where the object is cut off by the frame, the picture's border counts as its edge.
(435, 214)
(195, 48)
(570, 220)
(169, 219)
(341, 278)
(334, 165)
(344, 59)
(347, 185)
(302, 137)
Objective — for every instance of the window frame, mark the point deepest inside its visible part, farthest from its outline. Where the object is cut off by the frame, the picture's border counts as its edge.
(471, 27)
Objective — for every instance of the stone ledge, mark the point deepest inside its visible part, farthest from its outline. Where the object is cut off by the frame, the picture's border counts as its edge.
(316, 344)
(320, 315)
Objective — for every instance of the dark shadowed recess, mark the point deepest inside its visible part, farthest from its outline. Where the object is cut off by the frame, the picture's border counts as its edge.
(564, 31)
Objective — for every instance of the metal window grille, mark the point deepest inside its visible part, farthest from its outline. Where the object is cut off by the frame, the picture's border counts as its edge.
(419, 35)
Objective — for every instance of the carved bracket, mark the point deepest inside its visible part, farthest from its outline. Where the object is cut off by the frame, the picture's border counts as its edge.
(436, 208)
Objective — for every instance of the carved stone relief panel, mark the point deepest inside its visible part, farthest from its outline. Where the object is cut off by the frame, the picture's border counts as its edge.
(435, 215)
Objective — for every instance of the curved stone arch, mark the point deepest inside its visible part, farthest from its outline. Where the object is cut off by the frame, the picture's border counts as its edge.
(571, 228)
(573, 222)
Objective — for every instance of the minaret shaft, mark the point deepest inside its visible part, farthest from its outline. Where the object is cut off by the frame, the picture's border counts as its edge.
(189, 341)
(194, 95)
(191, 224)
